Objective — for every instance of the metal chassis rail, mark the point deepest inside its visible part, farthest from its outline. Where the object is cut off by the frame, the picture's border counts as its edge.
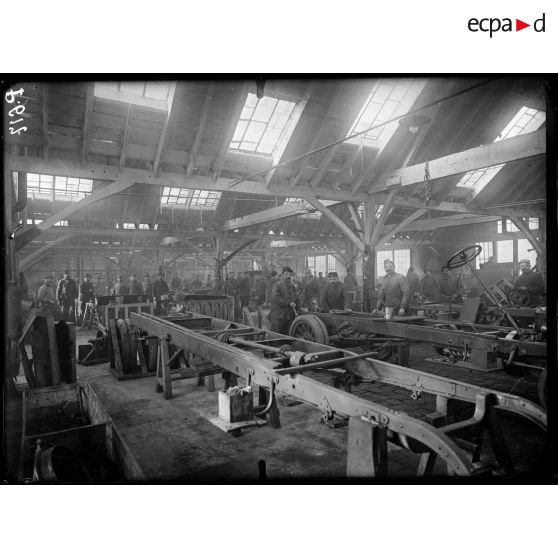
(401, 428)
(458, 339)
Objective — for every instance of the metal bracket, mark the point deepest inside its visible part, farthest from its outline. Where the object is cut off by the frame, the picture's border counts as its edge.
(377, 418)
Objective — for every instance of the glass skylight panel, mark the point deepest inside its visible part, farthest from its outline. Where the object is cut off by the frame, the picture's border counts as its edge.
(71, 189)
(205, 199)
(526, 120)
(534, 223)
(152, 94)
(129, 225)
(40, 186)
(143, 227)
(175, 196)
(261, 124)
(293, 200)
(389, 98)
(64, 223)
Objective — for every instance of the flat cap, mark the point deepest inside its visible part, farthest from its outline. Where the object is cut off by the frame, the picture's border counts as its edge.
(287, 269)
(332, 274)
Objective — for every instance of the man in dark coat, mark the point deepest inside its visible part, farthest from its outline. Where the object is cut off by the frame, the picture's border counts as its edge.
(322, 284)
(175, 282)
(86, 293)
(310, 291)
(429, 287)
(531, 282)
(449, 286)
(351, 285)
(232, 288)
(394, 296)
(244, 289)
(160, 294)
(260, 290)
(66, 295)
(284, 303)
(148, 287)
(333, 297)
(271, 280)
(135, 287)
(413, 283)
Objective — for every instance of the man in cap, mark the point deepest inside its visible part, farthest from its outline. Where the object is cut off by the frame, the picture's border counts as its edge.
(66, 295)
(120, 287)
(45, 293)
(86, 293)
(244, 289)
(310, 291)
(135, 287)
(394, 296)
(351, 285)
(284, 303)
(333, 297)
(148, 286)
(322, 284)
(175, 282)
(232, 288)
(450, 288)
(259, 288)
(530, 281)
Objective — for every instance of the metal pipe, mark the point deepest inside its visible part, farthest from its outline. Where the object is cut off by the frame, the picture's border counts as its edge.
(324, 364)
(270, 401)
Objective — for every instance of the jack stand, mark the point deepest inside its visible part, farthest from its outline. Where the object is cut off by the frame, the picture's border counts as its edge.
(367, 449)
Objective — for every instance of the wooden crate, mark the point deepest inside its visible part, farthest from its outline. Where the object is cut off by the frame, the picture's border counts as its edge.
(235, 408)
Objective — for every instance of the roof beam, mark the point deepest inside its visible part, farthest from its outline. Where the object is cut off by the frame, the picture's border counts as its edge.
(289, 129)
(496, 153)
(97, 195)
(219, 161)
(32, 258)
(377, 228)
(339, 223)
(87, 122)
(165, 130)
(197, 248)
(356, 218)
(45, 122)
(130, 98)
(524, 228)
(60, 167)
(125, 138)
(200, 129)
(346, 167)
(401, 226)
(239, 249)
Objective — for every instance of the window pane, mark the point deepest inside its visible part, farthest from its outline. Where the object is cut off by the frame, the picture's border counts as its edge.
(505, 251)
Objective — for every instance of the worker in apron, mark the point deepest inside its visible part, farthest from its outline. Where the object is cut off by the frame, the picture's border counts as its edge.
(394, 296)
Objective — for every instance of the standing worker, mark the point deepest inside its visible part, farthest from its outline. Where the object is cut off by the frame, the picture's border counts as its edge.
(135, 287)
(333, 297)
(148, 287)
(429, 287)
(531, 282)
(160, 294)
(46, 297)
(66, 295)
(86, 293)
(394, 296)
(284, 303)
(232, 288)
(350, 284)
(310, 291)
(244, 290)
(271, 280)
(450, 288)
(120, 288)
(413, 283)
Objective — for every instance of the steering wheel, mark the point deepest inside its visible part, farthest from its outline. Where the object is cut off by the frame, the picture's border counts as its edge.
(464, 256)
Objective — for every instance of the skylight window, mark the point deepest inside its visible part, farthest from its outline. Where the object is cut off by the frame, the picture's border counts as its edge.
(193, 199)
(262, 124)
(129, 225)
(143, 227)
(205, 199)
(175, 196)
(525, 121)
(293, 200)
(152, 94)
(64, 223)
(52, 188)
(390, 98)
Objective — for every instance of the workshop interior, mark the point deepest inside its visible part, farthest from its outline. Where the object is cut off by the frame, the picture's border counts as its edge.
(266, 279)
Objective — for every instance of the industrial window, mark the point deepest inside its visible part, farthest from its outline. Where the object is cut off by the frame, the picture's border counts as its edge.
(293, 200)
(510, 227)
(262, 124)
(525, 250)
(525, 121)
(34, 221)
(129, 225)
(534, 223)
(325, 264)
(389, 98)
(205, 199)
(505, 251)
(379, 211)
(143, 227)
(152, 94)
(487, 252)
(63, 223)
(401, 259)
(175, 196)
(52, 188)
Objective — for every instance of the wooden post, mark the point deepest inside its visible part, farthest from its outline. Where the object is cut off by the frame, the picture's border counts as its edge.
(367, 449)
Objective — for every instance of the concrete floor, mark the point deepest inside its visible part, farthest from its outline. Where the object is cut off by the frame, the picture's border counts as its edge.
(174, 440)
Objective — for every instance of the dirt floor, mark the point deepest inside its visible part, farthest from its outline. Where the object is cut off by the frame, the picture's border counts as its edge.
(174, 440)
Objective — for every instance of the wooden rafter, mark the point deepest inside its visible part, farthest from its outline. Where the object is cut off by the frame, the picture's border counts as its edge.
(368, 166)
(32, 258)
(524, 228)
(228, 258)
(219, 161)
(383, 217)
(339, 223)
(357, 152)
(401, 225)
(197, 248)
(87, 124)
(353, 211)
(497, 153)
(200, 129)
(164, 132)
(125, 138)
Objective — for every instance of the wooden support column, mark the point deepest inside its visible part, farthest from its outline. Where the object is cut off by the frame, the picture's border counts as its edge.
(45, 122)
(219, 247)
(87, 123)
(523, 226)
(367, 449)
(200, 129)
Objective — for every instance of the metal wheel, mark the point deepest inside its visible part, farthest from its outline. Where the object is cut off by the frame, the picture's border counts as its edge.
(127, 346)
(309, 328)
(520, 298)
(464, 256)
(541, 388)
